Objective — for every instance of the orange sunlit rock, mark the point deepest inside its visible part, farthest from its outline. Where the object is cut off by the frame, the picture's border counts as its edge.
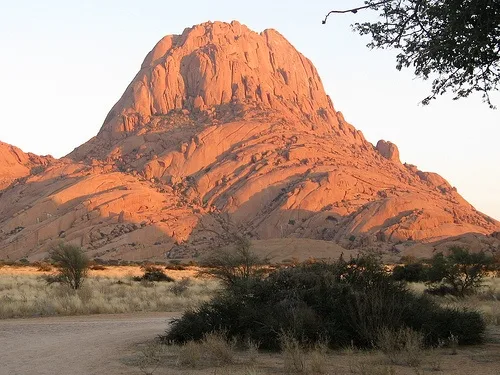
(224, 131)
(14, 164)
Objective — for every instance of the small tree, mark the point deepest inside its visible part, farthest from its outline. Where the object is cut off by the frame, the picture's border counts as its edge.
(72, 264)
(235, 263)
(460, 270)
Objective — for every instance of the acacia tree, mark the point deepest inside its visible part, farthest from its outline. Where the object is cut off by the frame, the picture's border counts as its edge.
(234, 263)
(460, 270)
(72, 264)
(456, 43)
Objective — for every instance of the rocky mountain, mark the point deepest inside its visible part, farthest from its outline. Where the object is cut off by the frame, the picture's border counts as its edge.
(223, 131)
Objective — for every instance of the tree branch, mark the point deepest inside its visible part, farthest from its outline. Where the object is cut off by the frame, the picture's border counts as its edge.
(353, 10)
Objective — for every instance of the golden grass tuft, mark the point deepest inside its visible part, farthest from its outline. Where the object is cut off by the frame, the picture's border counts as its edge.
(299, 360)
(213, 351)
(294, 357)
(402, 347)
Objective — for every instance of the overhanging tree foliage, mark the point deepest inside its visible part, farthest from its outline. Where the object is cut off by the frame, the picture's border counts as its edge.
(456, 43)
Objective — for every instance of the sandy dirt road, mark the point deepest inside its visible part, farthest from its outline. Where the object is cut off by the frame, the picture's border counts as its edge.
(83, 345)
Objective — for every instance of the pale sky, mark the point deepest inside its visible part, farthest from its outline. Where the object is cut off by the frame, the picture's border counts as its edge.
(64, 63)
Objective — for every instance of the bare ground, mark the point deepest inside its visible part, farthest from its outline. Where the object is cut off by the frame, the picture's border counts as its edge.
(82, 345)
(104, 344)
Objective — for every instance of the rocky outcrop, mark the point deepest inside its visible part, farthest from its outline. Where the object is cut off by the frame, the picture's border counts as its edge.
(224, 131)
(14, 164)
(388, 150)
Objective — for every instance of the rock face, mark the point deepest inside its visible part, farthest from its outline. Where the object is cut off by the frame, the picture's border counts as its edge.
(215, 64)
(388, 150)
(15, 164)
(224, 131)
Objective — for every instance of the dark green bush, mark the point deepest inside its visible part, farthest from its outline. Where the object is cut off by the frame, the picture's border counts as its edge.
(466, 326)
(343, 303)
(440, 290)
(152, 273)
(413, 272)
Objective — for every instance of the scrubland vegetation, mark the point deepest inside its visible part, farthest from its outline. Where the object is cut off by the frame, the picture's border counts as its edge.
(342, 303)
(243, 317)
(339, 317)
(399, 353)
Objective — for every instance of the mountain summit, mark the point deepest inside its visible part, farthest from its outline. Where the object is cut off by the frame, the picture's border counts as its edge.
(226, 131)
(216, 64)
(223, 71)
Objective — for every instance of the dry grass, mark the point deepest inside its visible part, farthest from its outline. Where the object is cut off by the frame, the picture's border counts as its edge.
(367, 368)
(150, 357)
(299, 360)
(193, 359)
(252, 351)
(95, 271)
(318, 359)
(28, 295)
(294, 357)
(488, 301)
(402, 347)
(213, 351)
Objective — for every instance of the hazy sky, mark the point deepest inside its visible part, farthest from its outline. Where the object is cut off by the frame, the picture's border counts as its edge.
(65, 63)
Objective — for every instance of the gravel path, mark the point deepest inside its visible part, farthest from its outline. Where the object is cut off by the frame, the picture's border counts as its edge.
(82, 345)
